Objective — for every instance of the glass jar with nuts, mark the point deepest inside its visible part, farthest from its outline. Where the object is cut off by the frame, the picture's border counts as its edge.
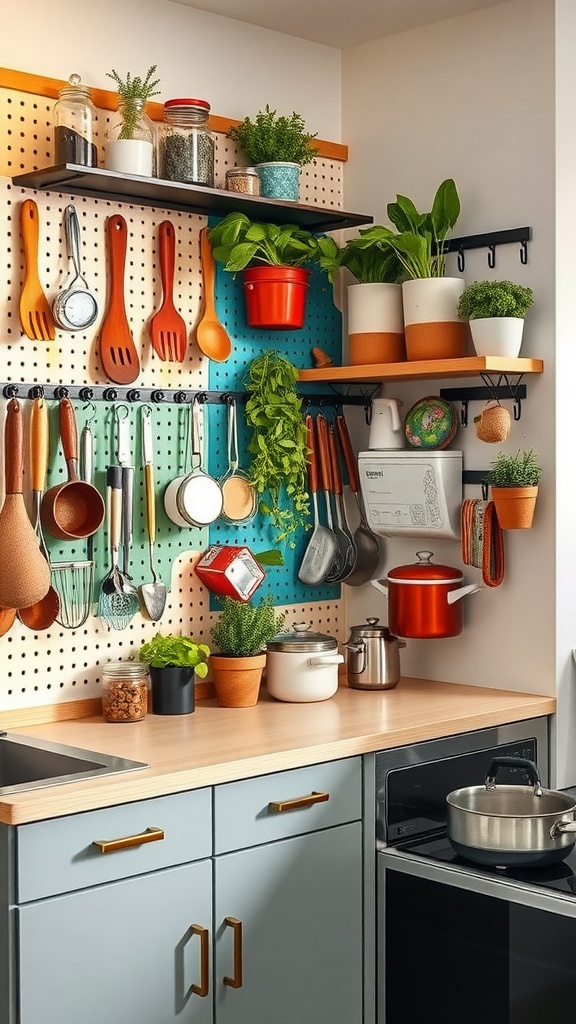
(124, 691)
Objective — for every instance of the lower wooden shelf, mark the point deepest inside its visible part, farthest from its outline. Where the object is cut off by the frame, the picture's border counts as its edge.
(470, 366)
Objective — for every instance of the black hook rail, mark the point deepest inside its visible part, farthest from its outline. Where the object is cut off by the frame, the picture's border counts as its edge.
(490, 240)
(506, 388)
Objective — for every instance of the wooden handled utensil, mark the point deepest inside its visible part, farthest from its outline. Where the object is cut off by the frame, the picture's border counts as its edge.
(337, 565)
(168, 331)
(212, 337)
(118, 354)
(365, 541)
(35, 314)
(322, 545)
(73, 509)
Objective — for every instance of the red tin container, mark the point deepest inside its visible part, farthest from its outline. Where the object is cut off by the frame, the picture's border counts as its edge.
(230, 571)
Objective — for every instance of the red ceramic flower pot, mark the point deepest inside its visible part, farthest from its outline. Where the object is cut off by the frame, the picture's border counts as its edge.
(275, 297)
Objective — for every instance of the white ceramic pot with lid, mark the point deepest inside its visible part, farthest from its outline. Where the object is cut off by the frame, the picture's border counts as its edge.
(302, 666)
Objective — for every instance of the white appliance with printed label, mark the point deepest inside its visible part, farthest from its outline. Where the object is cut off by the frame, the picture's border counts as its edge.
(412, 493)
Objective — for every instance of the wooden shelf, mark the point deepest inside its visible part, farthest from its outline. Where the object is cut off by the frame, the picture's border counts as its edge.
(99, 183)
(429, 368)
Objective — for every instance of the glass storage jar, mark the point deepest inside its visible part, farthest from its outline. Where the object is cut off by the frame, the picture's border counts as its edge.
(74, 125)
(243, 179)
(130, 142)
(125, 691)
(186, 146)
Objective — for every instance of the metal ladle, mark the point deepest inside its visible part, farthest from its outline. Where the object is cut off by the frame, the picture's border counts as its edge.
(74, 308)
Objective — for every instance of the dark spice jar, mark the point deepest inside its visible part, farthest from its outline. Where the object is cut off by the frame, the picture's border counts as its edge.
(74, 125)
(186, 146)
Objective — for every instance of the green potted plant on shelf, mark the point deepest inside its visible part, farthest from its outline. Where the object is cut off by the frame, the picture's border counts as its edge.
(273, 262)
(430, 299)
(130, 140)
(173, 662)
(278, 145)
(240, 636)
(496, 311)
(514, 481)
(375, 316)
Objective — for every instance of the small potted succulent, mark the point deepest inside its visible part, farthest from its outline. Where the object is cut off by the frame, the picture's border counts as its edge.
(278, 146)
(240, 636)
(496, 312)
(173, 662)
(273, 261)
(130, 145)
(514, 483)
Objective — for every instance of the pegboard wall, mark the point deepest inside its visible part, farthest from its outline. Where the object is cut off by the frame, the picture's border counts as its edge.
(61, 664)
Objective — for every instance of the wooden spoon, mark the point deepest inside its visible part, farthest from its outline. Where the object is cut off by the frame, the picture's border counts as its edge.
(25, 576)
(7, 616)
(212, 337)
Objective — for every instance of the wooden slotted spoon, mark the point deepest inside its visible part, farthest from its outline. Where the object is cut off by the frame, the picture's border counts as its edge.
(168, 331)
(35, 314)
(118, 354)
(212, 337)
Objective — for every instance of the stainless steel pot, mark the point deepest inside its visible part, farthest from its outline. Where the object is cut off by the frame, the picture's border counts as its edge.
(373, 657)
(511, 826)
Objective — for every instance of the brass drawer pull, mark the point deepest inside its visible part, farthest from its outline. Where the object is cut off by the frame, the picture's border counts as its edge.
(299, 801)
(237, 980)
(203, 988)
(151, 835)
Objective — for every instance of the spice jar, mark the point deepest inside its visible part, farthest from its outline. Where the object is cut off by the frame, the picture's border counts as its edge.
(74, 123)
(124, 691)
(186, 146)
(243, 179)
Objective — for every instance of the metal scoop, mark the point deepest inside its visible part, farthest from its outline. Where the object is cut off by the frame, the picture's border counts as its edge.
(322, 546)
(75, 308)
(153, 595)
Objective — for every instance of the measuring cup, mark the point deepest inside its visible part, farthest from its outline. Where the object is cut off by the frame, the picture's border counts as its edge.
(74, 509)
(74, 308)
(239, 494)
(195, 499)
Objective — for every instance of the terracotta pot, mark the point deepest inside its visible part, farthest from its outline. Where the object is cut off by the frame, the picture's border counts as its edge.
(375, 324)
(275, 297)
(237, 680)
(515, 506)
(432, 327)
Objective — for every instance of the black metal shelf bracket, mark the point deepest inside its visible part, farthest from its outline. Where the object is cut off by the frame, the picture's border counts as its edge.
(490, 240)
(506, 386)
(477, 476)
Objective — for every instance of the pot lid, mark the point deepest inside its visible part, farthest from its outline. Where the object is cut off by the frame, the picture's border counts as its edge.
(370, 628)
(425, 571)
(300, 639)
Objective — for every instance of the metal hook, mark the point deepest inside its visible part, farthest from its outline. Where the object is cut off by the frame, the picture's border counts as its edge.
(491, 256)
(524, 252)
(464, 413)
(517, 408)
(368, 412)
(484, 491)
(90, 405)
(145, 410)
(121, 408)
(461, 261)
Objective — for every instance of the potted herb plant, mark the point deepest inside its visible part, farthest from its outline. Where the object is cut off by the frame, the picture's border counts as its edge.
(514, 483)
(430, 299)
(240, 636)
(130, 145)
(173, 662)
(278, 146)
(273, 263)
(496, 312)
(375, 316)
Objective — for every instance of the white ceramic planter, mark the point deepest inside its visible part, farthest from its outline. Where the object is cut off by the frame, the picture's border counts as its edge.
(497, 335)
(432, 326)
(130, 156)
(375, 324)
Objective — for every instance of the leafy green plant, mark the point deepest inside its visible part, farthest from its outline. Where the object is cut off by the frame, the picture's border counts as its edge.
(238, 241)
(494, 298)
(520, 470)
(270, 137)
(368, 259)
(278, 443)
(420, 240)
(244, 629)
(133, 93)
(179, 651)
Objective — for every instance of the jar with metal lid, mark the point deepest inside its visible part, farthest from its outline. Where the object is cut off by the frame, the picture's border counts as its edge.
(125, 691)
(302, 666)
(186, 146)
(74, 125)
(243, 179)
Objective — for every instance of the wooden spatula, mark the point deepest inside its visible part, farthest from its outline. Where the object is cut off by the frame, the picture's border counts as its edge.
(35, 314)
(168, 331)
(118, 354)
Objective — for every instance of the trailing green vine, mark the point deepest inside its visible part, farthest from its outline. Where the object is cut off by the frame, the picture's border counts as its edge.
(278, 443)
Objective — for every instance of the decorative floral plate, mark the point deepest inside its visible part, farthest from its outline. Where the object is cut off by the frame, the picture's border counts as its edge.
(430, 423)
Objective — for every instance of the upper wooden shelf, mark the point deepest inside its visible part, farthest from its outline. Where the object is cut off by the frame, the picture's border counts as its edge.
(420, 370)
(125, 188)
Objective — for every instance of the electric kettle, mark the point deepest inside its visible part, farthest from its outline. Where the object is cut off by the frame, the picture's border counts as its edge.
(373, 657)
(386, 427)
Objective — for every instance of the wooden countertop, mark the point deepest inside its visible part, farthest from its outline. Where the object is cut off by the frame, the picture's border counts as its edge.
(215, 745)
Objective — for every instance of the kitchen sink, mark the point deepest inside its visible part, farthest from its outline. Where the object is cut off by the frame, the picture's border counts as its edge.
(28, 763)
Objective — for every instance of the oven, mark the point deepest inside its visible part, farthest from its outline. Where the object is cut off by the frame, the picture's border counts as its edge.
(460, 943)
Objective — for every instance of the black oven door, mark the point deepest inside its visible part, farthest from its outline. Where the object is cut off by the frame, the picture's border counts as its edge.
(459, 947)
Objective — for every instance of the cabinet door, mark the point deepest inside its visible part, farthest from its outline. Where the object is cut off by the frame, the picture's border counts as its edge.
(123, 953)
(299, 902)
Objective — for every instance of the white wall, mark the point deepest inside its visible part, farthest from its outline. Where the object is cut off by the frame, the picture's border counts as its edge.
(238, 68)
(473, 98)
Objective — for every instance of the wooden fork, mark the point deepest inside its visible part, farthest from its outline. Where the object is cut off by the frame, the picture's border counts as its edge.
(35, 314)
(168, 331)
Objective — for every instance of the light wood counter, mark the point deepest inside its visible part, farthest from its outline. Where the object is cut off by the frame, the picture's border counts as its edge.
(216, 745)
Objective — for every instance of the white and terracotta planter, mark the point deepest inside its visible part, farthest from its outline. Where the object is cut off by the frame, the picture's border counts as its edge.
(497, 336)
(375, 324)
(432, 326)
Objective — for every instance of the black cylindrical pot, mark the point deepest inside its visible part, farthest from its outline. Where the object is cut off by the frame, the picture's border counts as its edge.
(172, 690)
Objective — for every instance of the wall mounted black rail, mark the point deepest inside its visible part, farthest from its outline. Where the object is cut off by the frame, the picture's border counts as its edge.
(111, 393)
(490, 240)
(506, 388)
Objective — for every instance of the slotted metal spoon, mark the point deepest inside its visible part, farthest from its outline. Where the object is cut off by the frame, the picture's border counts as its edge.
(115, 607)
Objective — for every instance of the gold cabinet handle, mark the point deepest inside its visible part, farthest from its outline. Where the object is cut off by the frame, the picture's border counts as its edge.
(151, 835)
(299, 801)
(203, 988)
(236, 981)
